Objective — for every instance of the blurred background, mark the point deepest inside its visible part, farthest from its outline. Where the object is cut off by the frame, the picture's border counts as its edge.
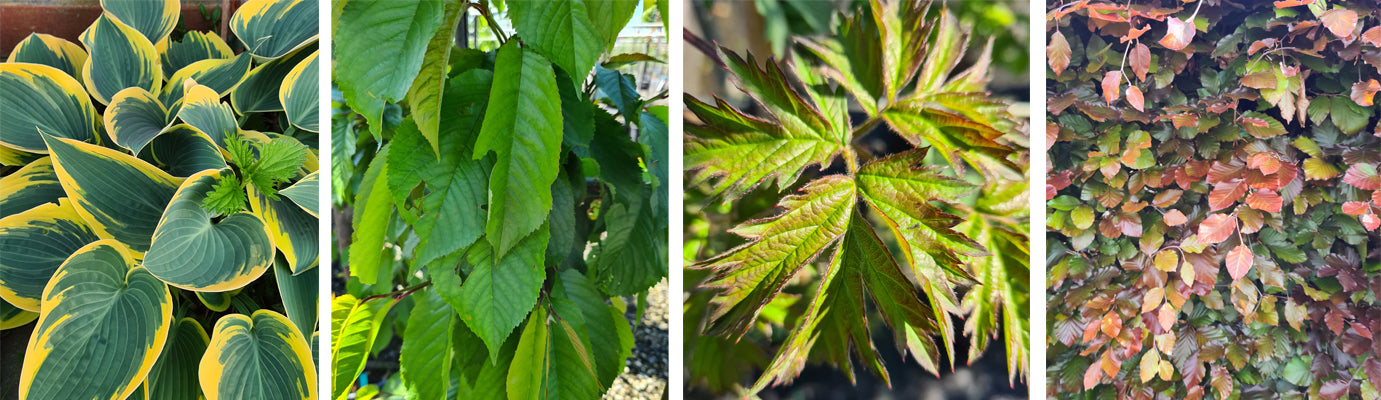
(720, 369)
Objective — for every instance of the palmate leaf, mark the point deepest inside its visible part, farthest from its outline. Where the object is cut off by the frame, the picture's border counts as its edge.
(999, 305)
(522, 127)
(748, 277)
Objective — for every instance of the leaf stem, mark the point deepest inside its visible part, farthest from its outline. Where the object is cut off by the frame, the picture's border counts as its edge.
(483, 9)
(400, 293)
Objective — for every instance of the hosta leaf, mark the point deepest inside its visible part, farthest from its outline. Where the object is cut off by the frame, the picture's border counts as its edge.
(749, 276)
(13, 317)
(373, 210)
(304, 193)
(354, 326)
(270, 29)
(135, 117)
(35, 242)
(38, 100)
(104, 322)
(181, 254)
(120, 58)
(118, 195)
(202, 109)
(387, 45)
(299, 293)
(173, 376)
(299, 94)
(450, 215)
(153, 19)
(220, 74)
(33, 185)
(53, 51)
(217, 301)
(194, 46)
(293, 230)
(426, 94)
(735, 152)
(502, 288)
(261, 356)
(183, 150)
(560, 30)
(426, 355)
(522, 126)
(258, 91)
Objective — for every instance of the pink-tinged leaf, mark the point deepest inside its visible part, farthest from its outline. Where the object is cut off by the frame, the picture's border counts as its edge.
(1057, 52)
(1355, 208)
(1179, 33)
(1371, 221)
(1376, 198)
(1340, 21)
(1265, 200)
(1363, 176)
(1334, 320)
(1266, 162)
(1225, 194)
(1362, 92)
(1373, 37)
(1292, 3)
(1239, 261)
(1334, 389)
(1217, 228)
(1360, 329)
(1373, 370)
(1134, 98)
(1092, 376)
(1175, 218)
(1140, 59)
(1111, 82)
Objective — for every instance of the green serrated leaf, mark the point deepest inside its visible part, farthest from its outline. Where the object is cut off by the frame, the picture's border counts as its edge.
(448, 216)
(502, 288)
(426, 353)
(424, 98)
(561, 30)
(621, 90)
(384, 43)
(370, 222)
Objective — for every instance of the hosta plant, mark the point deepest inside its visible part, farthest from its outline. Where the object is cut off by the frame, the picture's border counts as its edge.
(1212, 198)
(158, 206)
(919, 237)
(494, 207)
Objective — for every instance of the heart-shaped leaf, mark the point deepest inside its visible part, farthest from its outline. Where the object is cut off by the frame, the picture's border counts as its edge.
(299, 94)
(270, 29)
(52, 51)
(194, 46)
(38, 100)
(135, 117)
(118, 195)
(192, 251)
(121, 57)
(258, 356)
(35, 243)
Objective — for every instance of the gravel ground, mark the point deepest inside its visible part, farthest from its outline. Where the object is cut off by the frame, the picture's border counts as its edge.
(646, 373)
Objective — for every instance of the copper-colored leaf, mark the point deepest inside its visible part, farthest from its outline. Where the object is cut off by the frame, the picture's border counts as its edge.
(1217, 228)
(1373, 37)
(1259, 80)
(1266, 162)
(1179, 33)
(1111, 82)
(1134, 98)
(1376, 198)
(1152, 299)
(1371, 221)
(1091, 377)
(1112, 324)
(1340, 21)
(1057, 52)
(1292, 3)
(1140, 59)
(1225, 194)
(1265, 200)
(1239, 261)
(1135, 33)
(1255, 47)
(1362, 92)
(1166, 316)
(1355, 208)
(1363, 176)
(1175, 218)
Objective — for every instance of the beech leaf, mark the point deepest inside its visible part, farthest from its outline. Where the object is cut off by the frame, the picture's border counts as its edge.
(1239, 261)
(1216, 228)
(1134, 98)
(1175, 218)
(1362, 92)
(1340, 21)
(1178, 34)
(1057, 52)
(1140, 59)
(1111, 82)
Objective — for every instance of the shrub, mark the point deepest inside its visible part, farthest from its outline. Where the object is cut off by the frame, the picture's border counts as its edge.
(130, 224)
(953, 204)
(1212, 199)
(503, 204)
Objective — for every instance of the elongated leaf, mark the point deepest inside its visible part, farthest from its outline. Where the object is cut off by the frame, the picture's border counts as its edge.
(173, 376)
(604, 325)
(120, 58)
(304, 193)
(525, 376)
(449, 216)
(620, 90)
(1001, 303)
(202, 109)
(261, 356)
(502, 288)
(35, 242)
(426, 354)
(552, 359)
(735, 153)
(33, 185)
(135, 117)
(220, 74)
(294, 231)
(609, 17)
(299, 94)
(270, 29)
(560, 30)
(153, 19)
(958, 136)
(373, 210)
(181, 252)
(194, 46)
(749, 276)
(118, 195)
(632, 257)
(13, 317)
(184, 151)
(258, 92)
(353, 335)
(425, 95)
(38, 100)
(53, 51)
(522, 126)
(792, 355)
(104, 322)
(299, 293)
(387, 41)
